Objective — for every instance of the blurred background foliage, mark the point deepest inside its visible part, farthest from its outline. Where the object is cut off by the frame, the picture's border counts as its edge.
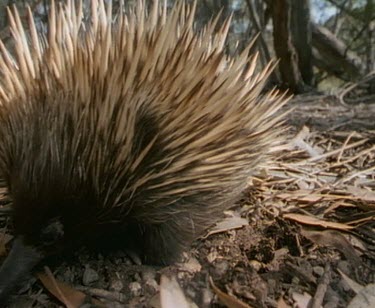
(320, 44)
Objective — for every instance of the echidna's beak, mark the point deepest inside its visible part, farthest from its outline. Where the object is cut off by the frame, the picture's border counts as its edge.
(16, 267)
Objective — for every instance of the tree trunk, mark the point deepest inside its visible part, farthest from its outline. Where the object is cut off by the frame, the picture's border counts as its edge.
(333, 55)
(282, 38)
(301, 27)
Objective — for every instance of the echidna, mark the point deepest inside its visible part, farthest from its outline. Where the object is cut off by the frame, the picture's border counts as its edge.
(135, 125)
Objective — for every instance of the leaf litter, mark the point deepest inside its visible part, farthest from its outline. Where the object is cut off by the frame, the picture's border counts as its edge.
(303, 234)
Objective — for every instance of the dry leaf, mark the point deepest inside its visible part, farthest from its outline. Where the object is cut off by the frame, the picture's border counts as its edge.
(362, 194)
(302, 300)
(171, 294)
(313, 221)
(334, 239)
(355, 286)
(365, 298)
(226, 299)
(301, 195)
(282, 304)
(300, 143)
(67, 295)
(229, 223)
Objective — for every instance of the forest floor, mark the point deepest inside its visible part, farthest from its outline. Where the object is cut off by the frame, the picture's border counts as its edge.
(303, 234)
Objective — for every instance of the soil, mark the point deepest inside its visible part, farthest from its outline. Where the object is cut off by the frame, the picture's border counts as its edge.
(302, 235)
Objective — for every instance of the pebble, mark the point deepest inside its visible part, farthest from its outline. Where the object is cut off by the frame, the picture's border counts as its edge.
(152, 284)
(116, 285)
(207, 297)
(148, 274)
(256, 265)
(221, 268)
(135, 288)
(318, 270)
(68, 275)
(89, 276)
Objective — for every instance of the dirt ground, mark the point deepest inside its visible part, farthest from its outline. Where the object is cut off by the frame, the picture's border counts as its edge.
(302, 235)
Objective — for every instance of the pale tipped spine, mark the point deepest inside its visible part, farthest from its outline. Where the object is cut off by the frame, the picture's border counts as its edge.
(213, 123)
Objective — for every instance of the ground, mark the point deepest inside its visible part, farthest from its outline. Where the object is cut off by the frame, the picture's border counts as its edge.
(302, 235)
